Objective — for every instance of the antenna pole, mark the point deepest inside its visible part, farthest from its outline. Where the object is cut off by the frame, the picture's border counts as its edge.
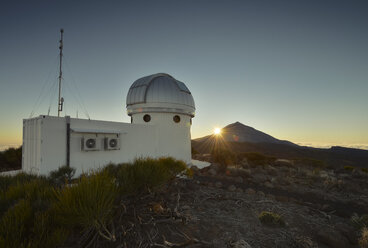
(60, 99)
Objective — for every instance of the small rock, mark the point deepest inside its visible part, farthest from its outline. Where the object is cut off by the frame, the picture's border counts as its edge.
(332, 238)
(239, 180)
(157, 208)
(259, 178)
(240, 244)
(326, 208)
(260, 193)
(272, 171)
(185, 207)
(271, 197)
(250, 191)
(282, 198)
(231, 188)
(348, 232)
(212, 172)
(218, 185)
(268, 185)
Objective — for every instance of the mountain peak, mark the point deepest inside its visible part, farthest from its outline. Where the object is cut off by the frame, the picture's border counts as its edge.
(238, 132)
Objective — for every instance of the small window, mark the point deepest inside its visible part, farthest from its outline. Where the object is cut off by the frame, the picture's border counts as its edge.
(176, 118)
(147, 118)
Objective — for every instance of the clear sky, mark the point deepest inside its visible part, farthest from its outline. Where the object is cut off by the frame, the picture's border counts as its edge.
(297, 70)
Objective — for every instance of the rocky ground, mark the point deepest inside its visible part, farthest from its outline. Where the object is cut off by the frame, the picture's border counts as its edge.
(220, 208)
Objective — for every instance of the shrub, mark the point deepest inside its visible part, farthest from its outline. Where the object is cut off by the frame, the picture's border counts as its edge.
(38, 191)
(363, 241)
(146, 174)
(62, 175)
(26, 221)
(270, 218)
(255, 158)
(349, 168)
(14, 224)
(359, 221)
(313, 163)
(365, 170)
(223, 157)
(6, 181)
(88, 204)
(11, 159)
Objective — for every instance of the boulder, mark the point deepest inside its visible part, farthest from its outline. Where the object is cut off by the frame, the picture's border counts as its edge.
(332, 238)
(231, 188)
(238, 180)
(348, 232)
(268, 185)
(240, 190)
(250, 191)
(218, 185)
(260, 193)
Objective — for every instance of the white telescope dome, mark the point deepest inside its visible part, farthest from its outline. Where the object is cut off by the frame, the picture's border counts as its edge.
(159, 93)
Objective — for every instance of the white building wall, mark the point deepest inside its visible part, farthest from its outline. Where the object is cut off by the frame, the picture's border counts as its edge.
(135, 141)
(45, 143)
(173, 139)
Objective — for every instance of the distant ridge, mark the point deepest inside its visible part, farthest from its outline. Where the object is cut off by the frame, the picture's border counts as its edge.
(238, 132)
(238, 137)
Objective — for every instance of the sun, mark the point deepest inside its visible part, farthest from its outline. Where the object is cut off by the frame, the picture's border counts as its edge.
(217, 130)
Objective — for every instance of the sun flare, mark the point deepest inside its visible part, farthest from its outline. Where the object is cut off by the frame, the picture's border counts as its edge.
(217, 130)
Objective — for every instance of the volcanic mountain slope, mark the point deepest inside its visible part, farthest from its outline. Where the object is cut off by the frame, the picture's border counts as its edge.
(238, 137)
(239, 132)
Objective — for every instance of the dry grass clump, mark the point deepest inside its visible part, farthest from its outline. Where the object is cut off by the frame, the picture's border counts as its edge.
(88, 204)
(25, 219)
(363, 241)
(359, 221)
(271, 219)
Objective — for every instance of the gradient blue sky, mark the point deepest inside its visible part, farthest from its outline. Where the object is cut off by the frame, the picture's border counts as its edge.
(297, 70)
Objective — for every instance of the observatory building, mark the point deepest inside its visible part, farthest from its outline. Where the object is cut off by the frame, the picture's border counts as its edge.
(161, 110)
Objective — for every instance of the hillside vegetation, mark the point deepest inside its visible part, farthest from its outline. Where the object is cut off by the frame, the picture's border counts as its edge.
(11, 159)
(54, 211)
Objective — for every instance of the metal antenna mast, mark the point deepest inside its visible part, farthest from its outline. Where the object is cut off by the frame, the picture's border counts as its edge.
(60, 100)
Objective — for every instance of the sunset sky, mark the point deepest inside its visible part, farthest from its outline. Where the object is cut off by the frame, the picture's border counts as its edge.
(297, 70)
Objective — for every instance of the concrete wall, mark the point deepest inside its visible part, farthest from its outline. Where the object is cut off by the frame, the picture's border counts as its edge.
(45, 142)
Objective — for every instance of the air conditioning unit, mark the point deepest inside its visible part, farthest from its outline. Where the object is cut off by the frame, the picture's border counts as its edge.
(112, 143)
(90, 144)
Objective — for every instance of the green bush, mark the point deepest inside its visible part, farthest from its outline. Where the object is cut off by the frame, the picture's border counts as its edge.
(365, 170)
(38, 191)
(15, 224)
(63, 175)
(223, 157)
(270, 218)
(25, 220)
(257, 158)
(88, 204)
(35, 212)
(313, 163)
(349, 168)
(11, 159)
(145, 174)
(6, 181)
